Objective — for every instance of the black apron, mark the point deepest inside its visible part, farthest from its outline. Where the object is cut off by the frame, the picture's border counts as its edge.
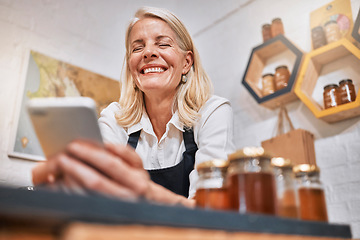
(175, 178)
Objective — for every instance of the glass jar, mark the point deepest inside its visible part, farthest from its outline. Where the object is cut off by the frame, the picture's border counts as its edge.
(318, 37)
(282, 76)
(331, 96)
(277, 27)
(287, 197)
(266, 32)
(347, 91)
(268, 85)
(311, 193)
(251, 181)
(211, 191)
(332, 31)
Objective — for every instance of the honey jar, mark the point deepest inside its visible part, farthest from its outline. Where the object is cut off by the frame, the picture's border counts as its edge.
(266, 32)
(331, 96)
(277, 27)
(251, 181)
(211, 190)
(268, 85)
(318, 37)
(332, 31)
(287, 197)
(311, 193)
(347, 91)
(282, 76)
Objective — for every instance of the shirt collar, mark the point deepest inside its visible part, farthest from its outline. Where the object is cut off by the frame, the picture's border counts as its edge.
(145, 124)
(175, 121)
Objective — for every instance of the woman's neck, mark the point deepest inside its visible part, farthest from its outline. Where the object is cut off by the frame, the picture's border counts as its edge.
(159, 111)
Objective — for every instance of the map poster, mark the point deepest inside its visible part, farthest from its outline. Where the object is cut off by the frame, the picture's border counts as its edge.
(48, 77)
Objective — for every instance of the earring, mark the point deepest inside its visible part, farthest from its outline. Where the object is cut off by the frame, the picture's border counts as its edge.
(184, 78)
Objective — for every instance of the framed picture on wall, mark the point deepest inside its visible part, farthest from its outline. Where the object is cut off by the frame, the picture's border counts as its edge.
(45, 76)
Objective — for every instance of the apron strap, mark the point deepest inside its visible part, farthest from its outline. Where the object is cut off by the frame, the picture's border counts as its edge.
(134, 138)
(175, 178)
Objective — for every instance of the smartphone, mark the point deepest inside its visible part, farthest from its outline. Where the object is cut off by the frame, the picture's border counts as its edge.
(59, 121)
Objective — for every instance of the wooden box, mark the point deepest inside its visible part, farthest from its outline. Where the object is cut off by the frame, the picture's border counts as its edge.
(297, 145)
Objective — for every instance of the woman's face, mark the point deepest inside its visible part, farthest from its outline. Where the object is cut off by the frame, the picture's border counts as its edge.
(156, 61)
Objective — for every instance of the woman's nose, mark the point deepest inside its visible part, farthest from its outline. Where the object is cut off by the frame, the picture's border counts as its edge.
(150, 52)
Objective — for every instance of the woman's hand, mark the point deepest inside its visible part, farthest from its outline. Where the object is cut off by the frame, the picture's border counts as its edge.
(115, 170)
(45, 172)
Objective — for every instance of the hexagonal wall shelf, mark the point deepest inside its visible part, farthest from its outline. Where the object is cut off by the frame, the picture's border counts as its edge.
(356, 30)
(310, 72)
(258, 61)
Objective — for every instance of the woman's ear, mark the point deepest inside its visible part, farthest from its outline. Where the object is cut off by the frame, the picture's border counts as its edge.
(189, 60)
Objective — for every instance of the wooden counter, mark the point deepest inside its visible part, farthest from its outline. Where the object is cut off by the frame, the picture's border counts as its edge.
(47, 215)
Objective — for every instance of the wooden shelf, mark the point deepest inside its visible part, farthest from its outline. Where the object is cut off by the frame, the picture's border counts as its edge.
(43, 211)
(356, 30)
(256, 64)
(310, 72)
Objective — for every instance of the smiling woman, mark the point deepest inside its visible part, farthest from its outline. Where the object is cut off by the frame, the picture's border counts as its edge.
(166, 114)
(156, 61)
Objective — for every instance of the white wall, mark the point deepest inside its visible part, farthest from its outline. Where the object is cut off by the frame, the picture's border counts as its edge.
(89, 34)
(225, 49)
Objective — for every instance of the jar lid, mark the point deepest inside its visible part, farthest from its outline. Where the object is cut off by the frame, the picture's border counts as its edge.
(281, 162)
(331, 86)
(276, 19)
(331, 21)
(249, 152)
(302, 169)
(345, 81)
(281, 66)
(266, 25)
(215, 163)
(267, 74)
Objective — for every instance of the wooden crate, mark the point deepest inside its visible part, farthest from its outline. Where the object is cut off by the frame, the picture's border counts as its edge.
(310, 72)
(256, 64)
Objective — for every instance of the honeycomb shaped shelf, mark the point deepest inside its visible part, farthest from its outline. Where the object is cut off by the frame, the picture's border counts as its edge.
(258, 61)
(310, 73)
(356, 30)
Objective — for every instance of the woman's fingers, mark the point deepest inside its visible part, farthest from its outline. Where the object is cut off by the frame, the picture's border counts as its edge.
(45, 172)
(112, 166)
(79, 174)
(126, 153)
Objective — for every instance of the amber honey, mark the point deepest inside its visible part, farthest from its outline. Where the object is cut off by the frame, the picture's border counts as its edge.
(277, 27)
(347, 91)
(286, 206)
(266, 32)
(281, 78)
(213, 198)
(287, 197)
(312, 204)
(211, 191)
(253, 192)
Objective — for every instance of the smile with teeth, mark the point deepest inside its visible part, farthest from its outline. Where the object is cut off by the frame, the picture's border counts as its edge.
(153, 70)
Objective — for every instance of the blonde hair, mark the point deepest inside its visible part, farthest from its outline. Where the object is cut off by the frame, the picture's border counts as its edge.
(190, 96)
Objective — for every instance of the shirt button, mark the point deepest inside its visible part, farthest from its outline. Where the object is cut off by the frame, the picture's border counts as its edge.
(160, 146)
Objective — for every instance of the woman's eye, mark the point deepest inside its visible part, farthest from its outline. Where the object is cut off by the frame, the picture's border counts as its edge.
(136, 49)
(164, 45)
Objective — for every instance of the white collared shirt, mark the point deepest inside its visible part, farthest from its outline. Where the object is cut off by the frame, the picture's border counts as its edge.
(213, 135)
